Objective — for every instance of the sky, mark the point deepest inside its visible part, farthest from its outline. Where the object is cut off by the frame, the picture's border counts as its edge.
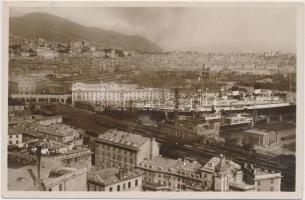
(225, 29)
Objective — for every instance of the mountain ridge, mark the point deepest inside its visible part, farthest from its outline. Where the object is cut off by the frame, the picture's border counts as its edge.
(52, 27)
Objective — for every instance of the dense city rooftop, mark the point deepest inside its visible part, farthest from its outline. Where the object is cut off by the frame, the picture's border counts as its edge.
(123, 138)
(109, 176)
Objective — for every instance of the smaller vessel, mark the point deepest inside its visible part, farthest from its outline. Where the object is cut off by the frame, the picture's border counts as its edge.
(235, 121)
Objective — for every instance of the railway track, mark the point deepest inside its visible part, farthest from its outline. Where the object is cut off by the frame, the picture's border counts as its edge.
(204, 153)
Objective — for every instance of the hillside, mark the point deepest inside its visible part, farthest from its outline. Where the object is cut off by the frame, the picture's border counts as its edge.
(51, 27)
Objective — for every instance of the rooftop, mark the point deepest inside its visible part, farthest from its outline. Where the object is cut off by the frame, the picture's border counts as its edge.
(24, 127)
(211, 164)
(214, 163)
(190, 166)
(59, 175)
(169, 165)
(109, 176)
(257, 132)
(265, 174)
(59, 129)
(123, 138)
(161, 163)
(79, 151)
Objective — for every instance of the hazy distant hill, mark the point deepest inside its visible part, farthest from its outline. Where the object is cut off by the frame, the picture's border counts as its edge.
(50, 27)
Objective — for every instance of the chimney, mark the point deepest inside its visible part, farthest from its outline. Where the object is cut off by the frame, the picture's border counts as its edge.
(176, 106)
(38, 153)
(151, 147)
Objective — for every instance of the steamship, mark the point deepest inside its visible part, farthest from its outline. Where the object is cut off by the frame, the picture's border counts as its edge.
(234, 101)
(238, 101)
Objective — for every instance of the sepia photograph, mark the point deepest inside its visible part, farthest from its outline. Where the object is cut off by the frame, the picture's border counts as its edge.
(105, 98)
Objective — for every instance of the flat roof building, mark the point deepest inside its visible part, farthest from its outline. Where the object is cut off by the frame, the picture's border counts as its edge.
(61, 133)
(78, 157)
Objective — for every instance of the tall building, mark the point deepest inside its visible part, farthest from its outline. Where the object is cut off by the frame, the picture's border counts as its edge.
(118, 149)
(221, 176)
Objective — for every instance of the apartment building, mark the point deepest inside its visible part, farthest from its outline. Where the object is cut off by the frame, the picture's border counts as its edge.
(119, 148)
(161, 173)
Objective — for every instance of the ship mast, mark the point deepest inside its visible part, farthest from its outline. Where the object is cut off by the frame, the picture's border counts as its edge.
(289, 85)
(215, 90)
(163, 93)
(203, 70)
(254, 110)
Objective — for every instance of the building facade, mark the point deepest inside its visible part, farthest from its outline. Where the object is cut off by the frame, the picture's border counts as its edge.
(225, 175)
(114, 180)
(14, 138)
(27, 84)
(118, 149)
(120, 94)
(162, 173)
(47, 121)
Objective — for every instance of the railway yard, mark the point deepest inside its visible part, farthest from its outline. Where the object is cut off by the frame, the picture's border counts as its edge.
(96, 123)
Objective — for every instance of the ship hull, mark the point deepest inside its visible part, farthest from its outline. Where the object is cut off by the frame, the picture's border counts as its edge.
(260, 109)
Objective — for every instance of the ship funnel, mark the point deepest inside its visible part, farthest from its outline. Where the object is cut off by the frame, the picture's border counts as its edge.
(235, 90)
(257, 89)
(176, 105)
